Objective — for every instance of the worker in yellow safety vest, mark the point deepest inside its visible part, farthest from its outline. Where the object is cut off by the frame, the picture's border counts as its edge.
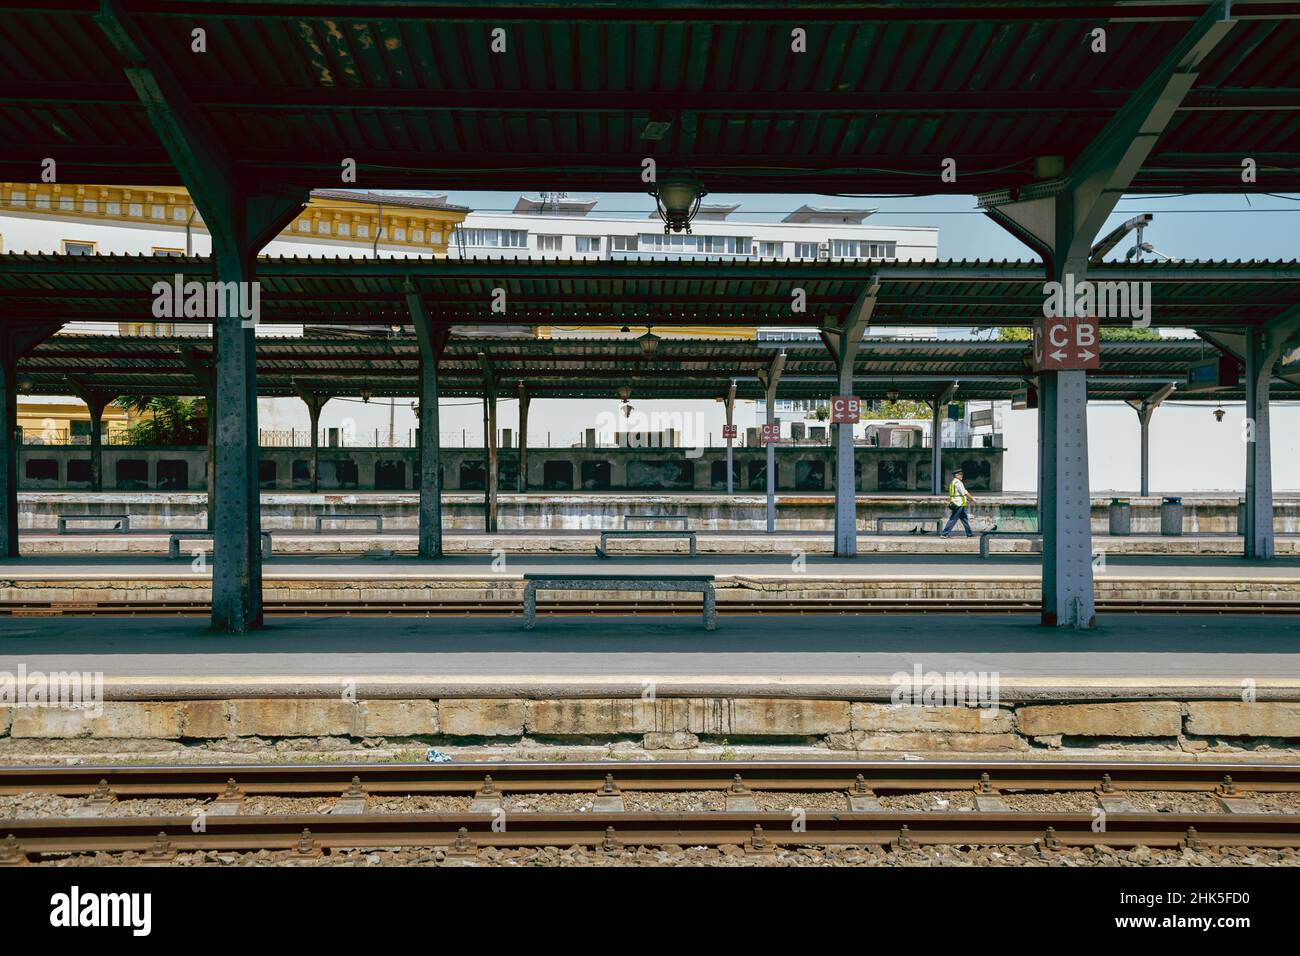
(958, 499)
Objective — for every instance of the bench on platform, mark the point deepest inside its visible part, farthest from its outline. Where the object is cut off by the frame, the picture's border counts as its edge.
(628, 519)
(605, 535)
(915, 522)
(123, 525)
(175, 538)
(694, 583)
(377, 519)
(985, 535)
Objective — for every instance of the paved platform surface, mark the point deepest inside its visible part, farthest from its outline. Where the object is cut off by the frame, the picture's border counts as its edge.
(1136, 656)
(912, 566)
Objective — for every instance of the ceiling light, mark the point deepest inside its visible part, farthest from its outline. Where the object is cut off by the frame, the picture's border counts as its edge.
(648, 342)
(656, 128)
(678, 197)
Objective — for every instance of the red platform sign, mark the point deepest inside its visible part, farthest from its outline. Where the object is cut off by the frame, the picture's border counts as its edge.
(728, 431)
(771, 432)
(1062, 342)
(846, 410)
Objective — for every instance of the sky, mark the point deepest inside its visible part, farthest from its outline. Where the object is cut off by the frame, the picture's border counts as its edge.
(1227, 226)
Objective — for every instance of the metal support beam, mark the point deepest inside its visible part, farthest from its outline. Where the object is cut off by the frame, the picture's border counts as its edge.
(433, 341)
(14, 343)
(1145, 409)
(315, 401)
(1264, 348)
(524, 401)
(489, 443)
(1060, 219)
(241, 220)
(96, 401)
(770, 379)
(843, 341)
(729, 405)
(936, 440)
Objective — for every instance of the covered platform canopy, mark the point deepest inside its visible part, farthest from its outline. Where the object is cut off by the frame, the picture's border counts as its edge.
(598, 367)
(1224, 296)
(575, 95)
(1012, 100)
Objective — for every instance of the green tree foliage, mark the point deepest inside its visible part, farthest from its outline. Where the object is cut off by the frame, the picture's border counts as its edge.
(165, 420)
(1109, 333)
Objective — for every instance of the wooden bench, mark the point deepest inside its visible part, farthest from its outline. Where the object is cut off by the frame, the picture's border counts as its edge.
(124, 522)
(695, 583)
(174, 541)
(377, 519)
(985, 535)
(605, 535)
(628, 519)
(880, 523)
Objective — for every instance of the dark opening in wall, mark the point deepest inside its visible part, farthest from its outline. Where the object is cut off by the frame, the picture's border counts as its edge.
(473, 476)
(596, 475)
(390, 475)
(672, 474)
(891, 474)
(132, 474)
(810, 475)
(266, 473)
(173, 474)
(718, 475)
(301, 473)
(977, 473)
(507, 474)
(42, 469)
(758, 475)
(346, 472)
(557, 475)
(78, 471)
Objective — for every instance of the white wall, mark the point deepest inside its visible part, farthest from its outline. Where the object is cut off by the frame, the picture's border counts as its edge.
(1190, 451)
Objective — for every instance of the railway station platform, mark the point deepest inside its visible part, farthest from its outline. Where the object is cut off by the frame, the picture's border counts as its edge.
(493, 580)
(1180, 685)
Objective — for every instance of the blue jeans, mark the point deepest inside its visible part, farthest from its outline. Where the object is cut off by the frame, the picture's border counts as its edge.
(954, 514)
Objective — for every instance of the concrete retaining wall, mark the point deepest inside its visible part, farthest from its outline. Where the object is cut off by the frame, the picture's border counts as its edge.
(680, 723)
(1215, 514)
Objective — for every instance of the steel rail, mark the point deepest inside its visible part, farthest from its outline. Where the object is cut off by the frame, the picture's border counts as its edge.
(857, 776)
(464, 833)
(508, 608)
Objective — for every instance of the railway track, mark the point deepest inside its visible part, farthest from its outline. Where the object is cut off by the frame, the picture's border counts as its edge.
(889, 776)
(511, 608)
(607, 826)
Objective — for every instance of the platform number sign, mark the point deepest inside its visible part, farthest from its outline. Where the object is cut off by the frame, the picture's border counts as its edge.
(1062, 342)
(771, 431)
(846, 410)
(728, 431)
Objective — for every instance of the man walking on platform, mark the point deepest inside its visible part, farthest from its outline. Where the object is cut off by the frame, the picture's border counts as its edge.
(958, 499)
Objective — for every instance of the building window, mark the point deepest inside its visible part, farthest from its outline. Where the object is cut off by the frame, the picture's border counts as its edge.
(588, 243)
(72, 247)
(164, 251)
(495, 238)
(709, 245)
(624, 243)
(805, 250)
(861, 249)
(771, 250)
(549, 243)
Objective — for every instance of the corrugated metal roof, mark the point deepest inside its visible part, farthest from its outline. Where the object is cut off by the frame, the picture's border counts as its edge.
(884, 93)
(680, 368)
(344, 291)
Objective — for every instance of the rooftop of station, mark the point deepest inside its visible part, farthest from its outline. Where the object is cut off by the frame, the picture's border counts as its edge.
(891, 92)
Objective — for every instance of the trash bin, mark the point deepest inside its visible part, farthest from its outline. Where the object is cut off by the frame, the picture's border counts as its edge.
(1121, 516)
(1171, 516)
